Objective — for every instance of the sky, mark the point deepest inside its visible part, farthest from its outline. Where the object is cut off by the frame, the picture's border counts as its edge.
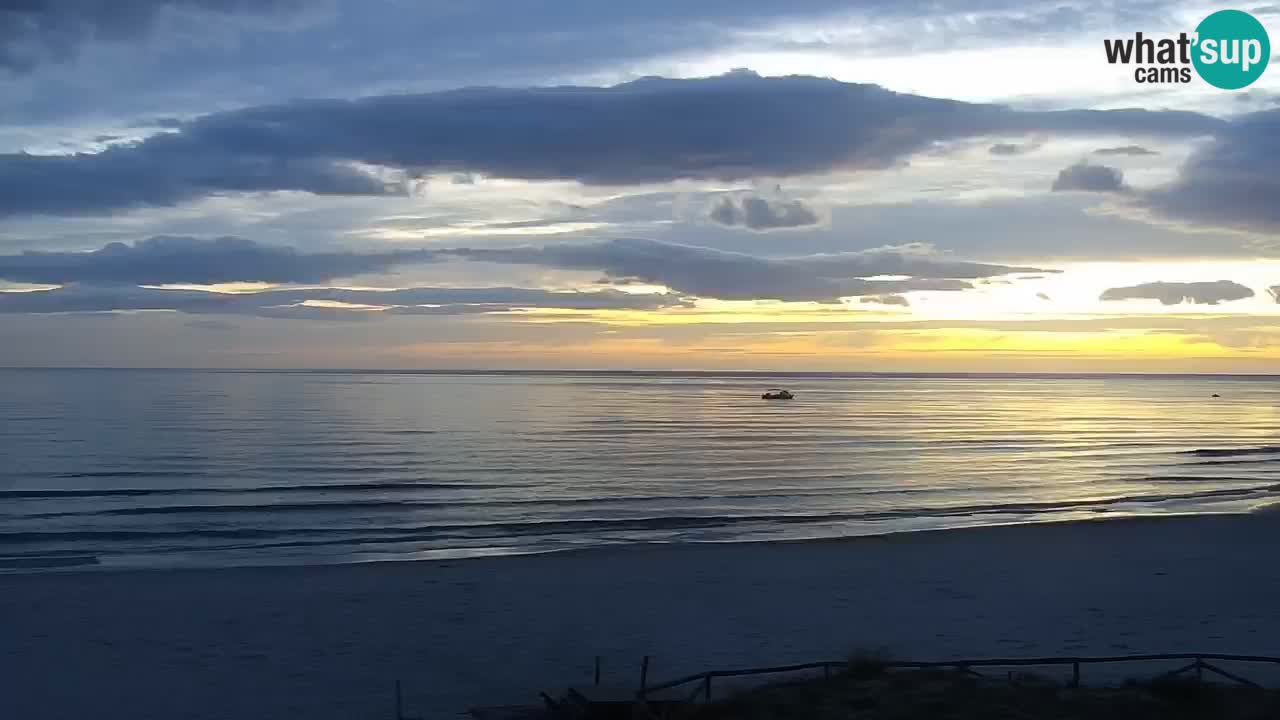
(940, 186)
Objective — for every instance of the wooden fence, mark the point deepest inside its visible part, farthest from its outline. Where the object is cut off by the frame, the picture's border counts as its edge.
(1199, 664)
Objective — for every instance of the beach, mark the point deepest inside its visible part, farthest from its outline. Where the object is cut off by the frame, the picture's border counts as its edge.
(325, 642)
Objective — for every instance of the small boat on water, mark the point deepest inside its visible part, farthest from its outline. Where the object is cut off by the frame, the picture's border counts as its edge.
(776, 394)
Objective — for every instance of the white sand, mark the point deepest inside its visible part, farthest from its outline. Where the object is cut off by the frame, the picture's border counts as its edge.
(328, 642)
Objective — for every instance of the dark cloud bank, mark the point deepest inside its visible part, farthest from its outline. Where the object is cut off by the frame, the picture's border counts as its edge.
(1086, 177)
(1008, 149)
(106, 279)
(730, 127)
(172, 260)
(1176, 293)
(760, 213)
(38, 31)
(33, 32)
(1232, 181)
(1134, 150)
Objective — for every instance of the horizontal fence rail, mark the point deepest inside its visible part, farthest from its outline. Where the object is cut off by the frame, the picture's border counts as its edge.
(1198, 663)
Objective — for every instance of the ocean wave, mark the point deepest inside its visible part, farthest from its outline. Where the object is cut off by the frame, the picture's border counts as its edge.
(1255, 461)
(587, 525)
(312, 487)
(1192, 478)
(107, 474)
(239, 509)
(46, 561)
(405, 432)
(336, 469)
(339, 468)
(495, 503)
(1229, 452)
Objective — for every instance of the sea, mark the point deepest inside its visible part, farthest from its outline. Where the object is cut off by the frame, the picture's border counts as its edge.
(120, 469)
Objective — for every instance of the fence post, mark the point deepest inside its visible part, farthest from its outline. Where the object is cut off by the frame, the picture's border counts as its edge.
(597, 676)
(1199, 670)
(826, 671)
(644, 675)
(399, 703)
(1075, 674)
(706, 689)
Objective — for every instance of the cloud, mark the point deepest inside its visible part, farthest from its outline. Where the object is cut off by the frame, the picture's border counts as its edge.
(190, 62)
(687, 269)
(170, 260)
(917, 260)
(1175, 293)
(1125, 150)
(323, 303)
(216, 325)
(33, 32)
(758, 213)
(709, 273)
(1007, 148)
(731, 127)
(1257, 96)
(886, 300)
(1086, 177)
(1231, 182)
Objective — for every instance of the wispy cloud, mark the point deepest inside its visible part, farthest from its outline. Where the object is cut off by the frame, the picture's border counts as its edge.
(886, 300)
(1132, 150)
(705, 272)
(325, 303)
(174, 260)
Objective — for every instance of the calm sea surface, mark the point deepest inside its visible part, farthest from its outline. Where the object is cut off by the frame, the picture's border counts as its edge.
(115, 468)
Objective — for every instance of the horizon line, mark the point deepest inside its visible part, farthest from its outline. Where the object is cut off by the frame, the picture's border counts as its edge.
(669, 372)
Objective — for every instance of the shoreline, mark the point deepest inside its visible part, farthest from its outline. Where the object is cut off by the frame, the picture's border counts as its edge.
(330, 641)
(624, 548)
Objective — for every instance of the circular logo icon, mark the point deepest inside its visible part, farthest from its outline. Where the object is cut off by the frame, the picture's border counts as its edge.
(1232, 49)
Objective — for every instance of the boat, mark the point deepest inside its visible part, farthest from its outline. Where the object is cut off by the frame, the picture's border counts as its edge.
(777, 394)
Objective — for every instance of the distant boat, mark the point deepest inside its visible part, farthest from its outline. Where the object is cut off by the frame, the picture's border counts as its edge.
(776, 394)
